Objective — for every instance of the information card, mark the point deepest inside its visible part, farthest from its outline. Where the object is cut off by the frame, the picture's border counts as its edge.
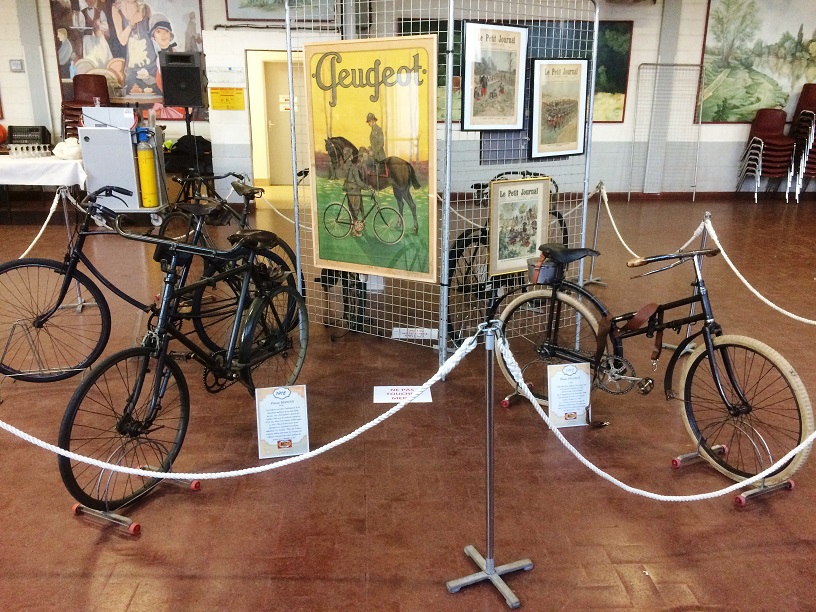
(283, 422)
(568, 394)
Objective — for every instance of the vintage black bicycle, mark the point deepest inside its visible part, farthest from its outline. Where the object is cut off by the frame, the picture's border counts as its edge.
(743, 403)
(132, 408)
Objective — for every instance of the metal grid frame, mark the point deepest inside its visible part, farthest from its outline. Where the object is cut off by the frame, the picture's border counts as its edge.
(666, 129)
(568, 29)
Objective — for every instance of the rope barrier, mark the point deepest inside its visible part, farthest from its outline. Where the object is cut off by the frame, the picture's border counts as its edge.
(47, 219)
(602, 189)
(467, 346)
(710, 229)
(280, 214)
(515, 370)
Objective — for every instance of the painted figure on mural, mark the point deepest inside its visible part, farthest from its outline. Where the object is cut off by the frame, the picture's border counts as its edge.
(131, 20)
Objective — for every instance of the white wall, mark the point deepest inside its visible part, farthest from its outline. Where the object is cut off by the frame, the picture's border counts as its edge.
(230, 133)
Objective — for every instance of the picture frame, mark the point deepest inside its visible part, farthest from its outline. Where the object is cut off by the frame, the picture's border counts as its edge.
(275, 10)
(558, 103)
(87, 41)
(494, 76)
(519, 214)
(380, 139)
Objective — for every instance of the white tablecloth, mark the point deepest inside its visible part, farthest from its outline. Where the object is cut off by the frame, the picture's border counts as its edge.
(41, 171)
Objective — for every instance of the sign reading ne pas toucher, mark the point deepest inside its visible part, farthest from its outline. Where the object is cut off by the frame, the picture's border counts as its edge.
(372, 120)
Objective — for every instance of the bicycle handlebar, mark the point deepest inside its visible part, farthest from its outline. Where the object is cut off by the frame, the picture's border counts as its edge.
(192, 249)
(682, 256)
(181, 180)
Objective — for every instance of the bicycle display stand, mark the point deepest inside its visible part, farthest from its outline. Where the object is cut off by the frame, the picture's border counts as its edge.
(486, 564)
(743, 498)
(119, 520)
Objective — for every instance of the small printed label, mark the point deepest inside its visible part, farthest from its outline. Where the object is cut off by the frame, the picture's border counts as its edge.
(394, 395)
(414, 333)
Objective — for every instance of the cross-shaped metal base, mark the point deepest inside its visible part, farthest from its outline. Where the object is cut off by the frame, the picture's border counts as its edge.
(490, 573)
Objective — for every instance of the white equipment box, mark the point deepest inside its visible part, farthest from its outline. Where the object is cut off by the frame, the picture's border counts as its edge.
(108, 157)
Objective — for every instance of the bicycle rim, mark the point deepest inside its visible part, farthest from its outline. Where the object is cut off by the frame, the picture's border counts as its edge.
(70, 340)
(97, 424)
(777, 416)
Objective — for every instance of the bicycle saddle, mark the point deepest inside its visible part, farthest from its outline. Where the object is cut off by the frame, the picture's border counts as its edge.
(564, 255)
(200, 206)
(254, 238)
(244, 190)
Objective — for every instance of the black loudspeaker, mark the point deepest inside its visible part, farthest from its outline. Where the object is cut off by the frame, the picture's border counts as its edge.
(183, 79)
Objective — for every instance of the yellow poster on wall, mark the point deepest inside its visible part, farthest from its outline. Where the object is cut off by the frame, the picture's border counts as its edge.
(227, 98)
(372, 129)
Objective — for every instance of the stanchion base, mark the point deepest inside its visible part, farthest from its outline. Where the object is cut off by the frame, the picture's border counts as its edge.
(493, 576)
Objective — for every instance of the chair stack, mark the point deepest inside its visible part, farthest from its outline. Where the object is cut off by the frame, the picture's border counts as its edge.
(769, 153)
(803, 130)
(86, 88)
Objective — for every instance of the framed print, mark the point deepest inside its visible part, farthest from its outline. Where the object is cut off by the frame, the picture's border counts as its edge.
(558, 107)
(372, 133)
(121, 40)
(519, 210)
(275, 10)
(612, 74)
(494, 72)
(756, 55)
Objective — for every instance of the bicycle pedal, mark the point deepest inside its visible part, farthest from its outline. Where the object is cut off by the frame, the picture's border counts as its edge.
(645, 386)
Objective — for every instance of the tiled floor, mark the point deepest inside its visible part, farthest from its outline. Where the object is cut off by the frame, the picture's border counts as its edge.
(380, 523)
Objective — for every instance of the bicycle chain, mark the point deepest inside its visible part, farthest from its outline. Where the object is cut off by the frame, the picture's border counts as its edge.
(610, 375)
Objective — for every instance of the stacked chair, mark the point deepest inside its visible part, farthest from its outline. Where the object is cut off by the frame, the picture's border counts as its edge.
(769, 153)
(803, 130)
(86, 88)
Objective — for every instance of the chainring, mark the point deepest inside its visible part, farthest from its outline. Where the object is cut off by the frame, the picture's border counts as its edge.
(213, 381)
(611, 373)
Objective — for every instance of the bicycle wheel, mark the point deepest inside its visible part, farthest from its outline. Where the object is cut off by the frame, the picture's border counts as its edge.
(774, 418)
(468, 294)
(107, 419)
(388, 225)
(571, 339)
(274, 341)
(337, 220)
(70, 340)
(213, 307)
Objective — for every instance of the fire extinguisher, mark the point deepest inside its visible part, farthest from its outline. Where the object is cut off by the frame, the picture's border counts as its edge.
(147, 169)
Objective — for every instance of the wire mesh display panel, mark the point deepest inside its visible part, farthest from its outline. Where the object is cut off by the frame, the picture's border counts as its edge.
(666, 133)
(466, 161)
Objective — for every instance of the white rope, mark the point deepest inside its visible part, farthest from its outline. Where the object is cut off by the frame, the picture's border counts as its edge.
(465, 219)
(514, 369)
(710, 229)
(279, 213)
(467, 346)
(47, 219)
(602, 189)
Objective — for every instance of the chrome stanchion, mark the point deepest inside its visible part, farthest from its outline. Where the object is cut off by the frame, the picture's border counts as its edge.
(486, 564)
(592, 279)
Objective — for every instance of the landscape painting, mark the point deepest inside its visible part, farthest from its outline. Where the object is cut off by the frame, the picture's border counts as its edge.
(612, 74)
(756, 55)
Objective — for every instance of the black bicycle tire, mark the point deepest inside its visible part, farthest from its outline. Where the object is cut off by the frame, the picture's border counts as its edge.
(100, 433)
(295, 321)
(207, 319)
(96, 341)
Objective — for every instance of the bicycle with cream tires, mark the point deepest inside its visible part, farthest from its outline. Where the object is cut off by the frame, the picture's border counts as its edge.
(744, 406)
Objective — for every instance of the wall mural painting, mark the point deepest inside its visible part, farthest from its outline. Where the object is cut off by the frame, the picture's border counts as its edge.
(120, 39)
(756, 55)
